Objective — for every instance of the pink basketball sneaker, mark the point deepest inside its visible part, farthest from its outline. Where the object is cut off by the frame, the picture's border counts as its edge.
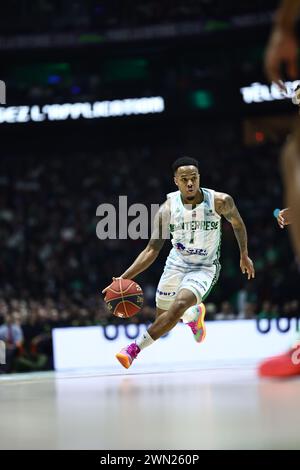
(197, 326)
(128, 354)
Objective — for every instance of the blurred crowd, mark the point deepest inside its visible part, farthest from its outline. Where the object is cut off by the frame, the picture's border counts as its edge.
(82, 15)
(98, 75)
(53, 267)
(93, 72)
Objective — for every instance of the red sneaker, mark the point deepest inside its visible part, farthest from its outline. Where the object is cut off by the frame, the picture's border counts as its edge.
(285, 365)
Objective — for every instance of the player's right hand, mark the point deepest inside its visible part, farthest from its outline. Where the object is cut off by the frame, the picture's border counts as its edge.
(284, 217)
(247, 267)
(113, 279)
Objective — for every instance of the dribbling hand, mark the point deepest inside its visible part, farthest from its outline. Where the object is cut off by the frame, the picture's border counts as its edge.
(113, 279)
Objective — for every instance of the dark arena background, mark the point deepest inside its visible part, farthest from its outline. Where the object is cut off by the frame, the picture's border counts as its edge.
(102, 96)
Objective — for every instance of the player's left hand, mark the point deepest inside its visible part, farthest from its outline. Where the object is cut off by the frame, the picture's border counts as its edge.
(247, 267)
(284, 217)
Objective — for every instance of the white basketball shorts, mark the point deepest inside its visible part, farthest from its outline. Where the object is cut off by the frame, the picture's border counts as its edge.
(199, 281)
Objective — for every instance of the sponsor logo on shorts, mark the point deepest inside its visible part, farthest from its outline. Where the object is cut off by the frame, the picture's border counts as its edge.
(168, 294)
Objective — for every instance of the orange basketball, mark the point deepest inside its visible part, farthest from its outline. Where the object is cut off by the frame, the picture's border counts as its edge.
(124, 298)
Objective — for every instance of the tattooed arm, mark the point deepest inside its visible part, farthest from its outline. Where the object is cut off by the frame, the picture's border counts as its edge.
(225, 206)
(150, 253)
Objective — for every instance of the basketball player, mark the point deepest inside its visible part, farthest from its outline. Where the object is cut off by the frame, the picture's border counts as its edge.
(283, 50)
(192, 215)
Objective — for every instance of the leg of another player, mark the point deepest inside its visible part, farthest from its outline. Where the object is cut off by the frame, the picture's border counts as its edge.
(286, 365)
(291, 176)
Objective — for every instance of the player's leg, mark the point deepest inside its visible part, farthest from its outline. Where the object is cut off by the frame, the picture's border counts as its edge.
(167, 289)
(192, 287)
(162, 325)
(165, 296)
(160, 311)
(291, 177)
(201, 283)
(288, 364)
(167, 320)
(170, 301)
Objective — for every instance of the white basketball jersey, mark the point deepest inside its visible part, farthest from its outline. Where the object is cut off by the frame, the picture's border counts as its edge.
(196, 232)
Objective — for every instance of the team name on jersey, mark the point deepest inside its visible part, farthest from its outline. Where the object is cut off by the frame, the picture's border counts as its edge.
(195, 225)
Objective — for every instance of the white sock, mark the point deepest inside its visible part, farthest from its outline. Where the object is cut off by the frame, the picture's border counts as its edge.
(145, 341)
(190, 314)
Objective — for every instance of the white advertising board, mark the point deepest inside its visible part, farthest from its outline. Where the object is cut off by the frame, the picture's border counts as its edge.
(96, 346)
